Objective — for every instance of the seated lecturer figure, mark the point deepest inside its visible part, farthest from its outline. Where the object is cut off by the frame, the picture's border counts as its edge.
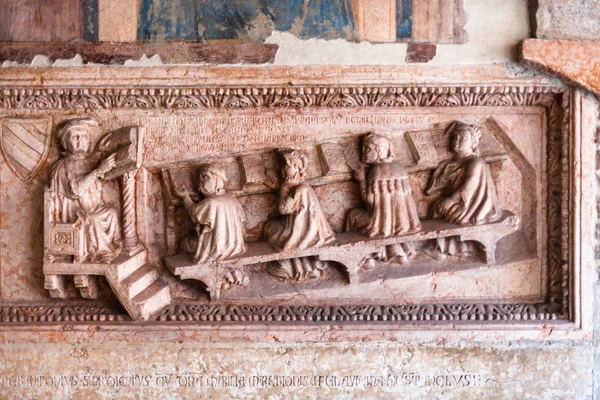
(77, 184)
(218, 218)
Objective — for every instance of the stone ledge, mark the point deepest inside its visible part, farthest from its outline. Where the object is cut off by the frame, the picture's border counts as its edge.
(118, 53)
(577, 61)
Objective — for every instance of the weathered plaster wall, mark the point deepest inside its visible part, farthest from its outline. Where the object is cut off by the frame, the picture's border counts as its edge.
(568, 19)
(494, 28)
(470, 369)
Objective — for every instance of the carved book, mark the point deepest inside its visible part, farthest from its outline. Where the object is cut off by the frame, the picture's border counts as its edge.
(127, 144)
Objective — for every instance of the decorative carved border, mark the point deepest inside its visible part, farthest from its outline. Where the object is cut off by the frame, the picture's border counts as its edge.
(556, 101)
(296, 96)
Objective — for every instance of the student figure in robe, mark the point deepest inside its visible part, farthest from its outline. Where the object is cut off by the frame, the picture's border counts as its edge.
(218, 218)
(468, 193)
(302, 223)
(386, 191)
(77, 183)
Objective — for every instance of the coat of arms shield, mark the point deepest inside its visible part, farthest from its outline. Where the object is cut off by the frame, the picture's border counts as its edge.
(25, 143)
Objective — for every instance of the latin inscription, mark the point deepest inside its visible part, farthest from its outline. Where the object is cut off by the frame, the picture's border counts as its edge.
(105, 379)
(176, 138)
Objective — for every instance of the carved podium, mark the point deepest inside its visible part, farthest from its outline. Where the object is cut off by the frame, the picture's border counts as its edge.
(83, 236)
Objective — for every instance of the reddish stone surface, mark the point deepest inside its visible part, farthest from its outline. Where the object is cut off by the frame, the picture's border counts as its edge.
(420, 52)
(575, 60)
(118, 53)
(40, 20)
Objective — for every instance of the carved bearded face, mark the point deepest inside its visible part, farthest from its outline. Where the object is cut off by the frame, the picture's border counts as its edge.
(291, 172)
(78, 140)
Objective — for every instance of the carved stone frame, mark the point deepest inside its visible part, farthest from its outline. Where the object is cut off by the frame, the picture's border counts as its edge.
(568, 121)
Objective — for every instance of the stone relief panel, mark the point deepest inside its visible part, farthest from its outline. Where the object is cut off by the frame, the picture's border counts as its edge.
(276, 204)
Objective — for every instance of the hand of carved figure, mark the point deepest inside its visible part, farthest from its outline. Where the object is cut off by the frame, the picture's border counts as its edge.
(107, 164)
(360, 172)
(285, 189)
(181, 192)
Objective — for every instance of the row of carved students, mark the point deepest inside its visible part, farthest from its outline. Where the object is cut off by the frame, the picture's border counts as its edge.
(468, 197)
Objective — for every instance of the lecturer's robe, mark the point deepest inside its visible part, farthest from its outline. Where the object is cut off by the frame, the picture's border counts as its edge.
(78, 196)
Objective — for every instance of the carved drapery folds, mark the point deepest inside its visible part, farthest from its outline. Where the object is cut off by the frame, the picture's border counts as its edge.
(467, 215)
(371, 203)
(218, 219)
(385, 189)
(83, 234)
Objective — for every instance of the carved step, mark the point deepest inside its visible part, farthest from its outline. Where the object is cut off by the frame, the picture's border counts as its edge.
(139, 280)
(55, 284)
(130, 264)
(152, 299)
(87, 285)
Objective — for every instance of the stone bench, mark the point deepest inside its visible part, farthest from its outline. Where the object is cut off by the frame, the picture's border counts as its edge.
(349, 249)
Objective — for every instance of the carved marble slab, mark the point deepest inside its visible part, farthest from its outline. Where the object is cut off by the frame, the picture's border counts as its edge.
(330, 200)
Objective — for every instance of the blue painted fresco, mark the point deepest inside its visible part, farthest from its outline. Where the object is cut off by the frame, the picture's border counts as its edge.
(234, 19)
(404, 19)
(330, 19)
(282, 17)
(90, 20)
(169, 20)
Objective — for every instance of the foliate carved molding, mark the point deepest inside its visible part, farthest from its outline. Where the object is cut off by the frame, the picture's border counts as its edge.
(558, 217)
(77, 312)
(556, 101)
(309, 96)
(396, 313)
(222, 313)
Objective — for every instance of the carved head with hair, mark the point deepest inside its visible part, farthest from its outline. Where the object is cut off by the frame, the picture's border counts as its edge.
(465, 138)
(211, 180)
(376, 149)
(74, 135)
(295, 166)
